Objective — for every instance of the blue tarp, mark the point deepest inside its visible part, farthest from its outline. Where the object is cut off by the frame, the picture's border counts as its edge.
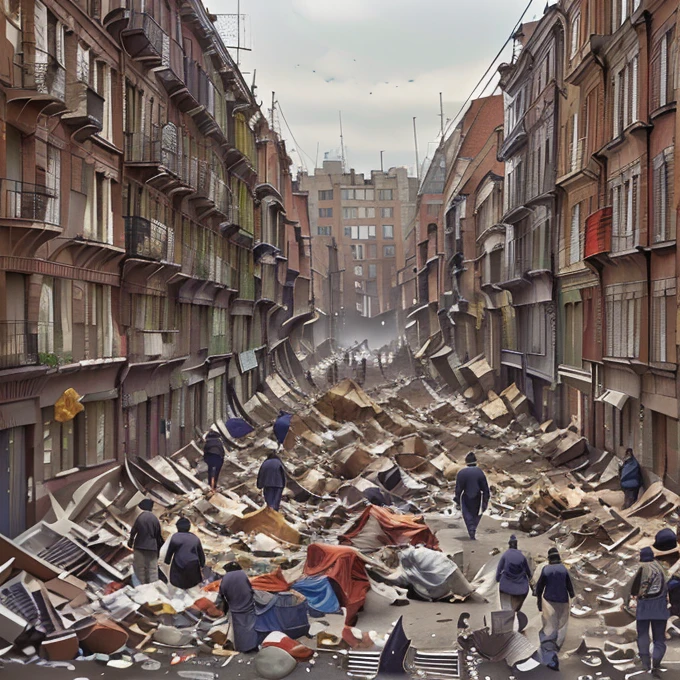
(319, 593)
(237, 427)
(281, 612)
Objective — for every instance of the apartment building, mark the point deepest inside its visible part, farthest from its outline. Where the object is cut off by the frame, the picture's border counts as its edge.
(154, 256)
(367, 219)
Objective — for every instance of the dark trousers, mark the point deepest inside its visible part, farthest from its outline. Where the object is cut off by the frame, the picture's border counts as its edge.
(471, 516)
(272, 496)
(630, 495)
(214, 464)
(658, 636)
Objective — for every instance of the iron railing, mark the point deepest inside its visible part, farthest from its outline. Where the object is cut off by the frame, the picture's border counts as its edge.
(18, 344)
(149, 238)
(42, 72)
(155, 148)
(32, 202)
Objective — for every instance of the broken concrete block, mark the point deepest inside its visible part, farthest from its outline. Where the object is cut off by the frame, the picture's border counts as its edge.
(351, 461)
(547, 426)
(61, 646)
(11, 624)
(516, 402)
(269, 522)
(496, 411)
(478, 371)
(474, 393)
(570, 447)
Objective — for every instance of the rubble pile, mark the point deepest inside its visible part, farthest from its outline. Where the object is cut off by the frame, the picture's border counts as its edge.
(366, 469)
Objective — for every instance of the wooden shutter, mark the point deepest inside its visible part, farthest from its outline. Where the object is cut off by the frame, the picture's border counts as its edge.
(658, 185)
(634, 90)
(670, 194)
(575, 241)
(662, 81)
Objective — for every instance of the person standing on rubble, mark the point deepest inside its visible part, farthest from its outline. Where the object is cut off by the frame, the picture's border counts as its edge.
(185, 557)
(146, 541)
(281, 426)
(237, 598)
(631, 479)
(472, 494)
(650, 589)
(272, 480)
(513, 576)
(213, 455)
(553, 593)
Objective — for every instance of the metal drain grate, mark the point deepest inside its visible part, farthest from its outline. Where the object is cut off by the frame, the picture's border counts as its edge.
(445, 664)
(363, 664)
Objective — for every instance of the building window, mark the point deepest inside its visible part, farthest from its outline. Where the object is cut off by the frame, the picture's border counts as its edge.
(99, 433)
(325, 212)
(350, 213)
(372, 271)
(663, 71)
(625, 201)
(389, 251)
(358, 270)
(575, 235)
(372, 252)
(623, 307)
(357, 252)
(389, 212)
(388, 231)
(103, 86)
(573, 337)
(323, 231)
(664, 213)
(58, 444)
(357, 194)
(626, 96)
(348, 231)
(663, 312)
(362, 232)
(385, 194)
(326, 195)
(575, 34)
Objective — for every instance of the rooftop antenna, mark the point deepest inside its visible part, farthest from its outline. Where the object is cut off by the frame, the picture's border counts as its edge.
(316, 160)
(441, 112)
(342, 143)
(415, 139)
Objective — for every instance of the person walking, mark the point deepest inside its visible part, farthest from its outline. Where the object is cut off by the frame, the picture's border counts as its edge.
(146, 541)
(237, 597)
(213, 455)
(472, 494)
(650, 589)
(513, 576)
(281, 426)
(185, 557)
(631, 479)
(272, 480)
(553, 592)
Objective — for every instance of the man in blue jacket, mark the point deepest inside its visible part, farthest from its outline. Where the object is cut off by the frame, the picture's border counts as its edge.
(272, 480)
(472, 494)
(185, 556)
(553, 592)
(631, 478)
(513, 576)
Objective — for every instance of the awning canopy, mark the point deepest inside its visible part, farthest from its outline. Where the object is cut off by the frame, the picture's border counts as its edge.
(616, 399)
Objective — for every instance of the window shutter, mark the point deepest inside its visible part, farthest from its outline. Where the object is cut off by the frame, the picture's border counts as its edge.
(670, 197)
(658, 189)
(634, 224)
(663, 72)
(634, 90)
(574, 142)
(574, 246)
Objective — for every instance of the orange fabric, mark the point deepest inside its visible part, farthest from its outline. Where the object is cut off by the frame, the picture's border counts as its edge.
(295, 649)
(212, 587)
(398, 529)
(273, 582)
(346, 568)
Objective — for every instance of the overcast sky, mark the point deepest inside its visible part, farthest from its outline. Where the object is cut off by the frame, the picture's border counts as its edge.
(380, 62)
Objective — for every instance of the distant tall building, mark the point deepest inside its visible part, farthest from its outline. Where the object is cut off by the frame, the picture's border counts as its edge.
(368, 220)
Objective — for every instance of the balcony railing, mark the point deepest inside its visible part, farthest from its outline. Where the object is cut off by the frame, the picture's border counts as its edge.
(211, 187)
(155, 35)
(528, 252)
(30, 202)
(149, 239)
(42, 72)
(18, 344)
(153, 149)
(598, 233)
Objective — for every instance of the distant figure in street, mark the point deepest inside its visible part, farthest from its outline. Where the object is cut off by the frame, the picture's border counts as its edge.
(472, 494)
(213, 455)
(146, 541)
(650, 588)
(513, 575)
(281, 426)
(272, 480)
(236, 594)
(185, 557)
(553, 592)
(631, 478)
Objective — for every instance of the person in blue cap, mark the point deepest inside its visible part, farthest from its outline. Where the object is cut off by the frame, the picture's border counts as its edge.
(650, 589)
(513, 576)
(631, 479)
(472, 494)
(272, 480)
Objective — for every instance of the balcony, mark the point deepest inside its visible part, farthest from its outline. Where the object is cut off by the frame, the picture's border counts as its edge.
(528, 256)
(144, 40)
(598, 242)
(219, 344)
(86, 111)
(149, 239)
(212, 194)
(42, 89)
(18, 344)
(159, 150)
(197, 97)
(157, 344)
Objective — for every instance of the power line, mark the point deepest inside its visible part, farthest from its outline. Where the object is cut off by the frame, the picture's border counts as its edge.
(292, 136)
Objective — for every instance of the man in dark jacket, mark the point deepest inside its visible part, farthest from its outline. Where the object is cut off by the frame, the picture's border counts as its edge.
(146, 542)
(236, 594)
(185, 557)
(650, 588)
(213, 455)
(472, 494)
(281, 426)
(513, 576)
(631, 478)
(272, 480)
(553, 592)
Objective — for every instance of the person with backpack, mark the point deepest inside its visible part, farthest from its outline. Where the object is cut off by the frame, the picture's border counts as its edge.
(213, 455)
(553, 592)
(631, 479)
(650, 589)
